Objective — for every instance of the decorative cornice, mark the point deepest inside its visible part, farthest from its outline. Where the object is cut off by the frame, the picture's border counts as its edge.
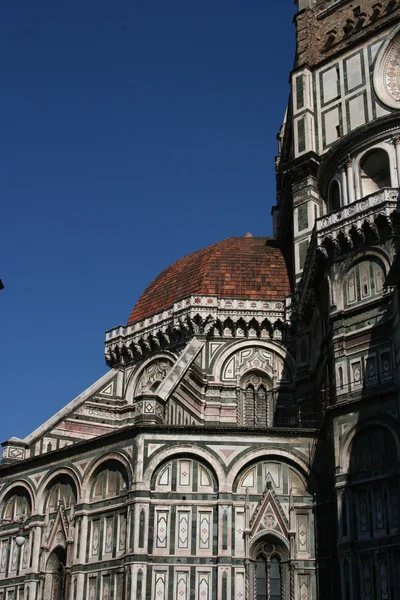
(196, 315)
(342, 231)
(130, 431)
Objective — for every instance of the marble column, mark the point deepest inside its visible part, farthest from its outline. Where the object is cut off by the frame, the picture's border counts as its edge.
(396, 144)
(345, 199)
(350, 180)
(83, 540)
(36, 549)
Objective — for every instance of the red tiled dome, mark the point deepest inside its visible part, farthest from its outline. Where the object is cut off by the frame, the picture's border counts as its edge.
(238, 267)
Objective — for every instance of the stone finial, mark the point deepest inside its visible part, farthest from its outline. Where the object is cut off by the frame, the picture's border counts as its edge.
(248, 234)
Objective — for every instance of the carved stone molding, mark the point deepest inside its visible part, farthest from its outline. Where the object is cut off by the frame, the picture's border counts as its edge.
(387, 72)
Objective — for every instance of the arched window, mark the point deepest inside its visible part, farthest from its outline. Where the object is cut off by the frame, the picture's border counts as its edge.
(17, 503)
(340, 372)
(139, 585)
(275, 579)
(258, 409)
(374, 171)
(268, 577)
(364, 281)
(110, 480)
(142, 524)
(261, 578)
(249, 406)
(225, 531)
(62, 489)
(334, 200)
(224, 587)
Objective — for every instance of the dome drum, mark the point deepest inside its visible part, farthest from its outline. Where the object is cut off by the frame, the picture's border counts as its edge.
(239, 286)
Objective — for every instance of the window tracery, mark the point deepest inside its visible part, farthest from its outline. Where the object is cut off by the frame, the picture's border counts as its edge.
(17, 503)
(269, 567)
(110, 480)
(258, 402)
(62, 489)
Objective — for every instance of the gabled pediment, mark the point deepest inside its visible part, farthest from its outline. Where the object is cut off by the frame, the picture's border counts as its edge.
(95, 412)
(269, 514)
(57, 531)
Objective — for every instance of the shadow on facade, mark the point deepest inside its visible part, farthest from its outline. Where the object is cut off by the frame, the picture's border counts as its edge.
(354, 474)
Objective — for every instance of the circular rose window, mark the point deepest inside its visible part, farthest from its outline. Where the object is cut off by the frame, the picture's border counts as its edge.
(387, 72)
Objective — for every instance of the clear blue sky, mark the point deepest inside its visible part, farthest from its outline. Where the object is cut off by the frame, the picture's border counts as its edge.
(132, 133)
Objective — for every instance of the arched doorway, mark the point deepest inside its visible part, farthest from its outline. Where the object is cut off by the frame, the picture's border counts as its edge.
(55, 582)
(269, 570)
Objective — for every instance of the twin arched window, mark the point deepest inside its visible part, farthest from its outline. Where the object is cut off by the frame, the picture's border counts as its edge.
(258, 410)
(62, 489)
(268, 578)
(17, 503)
(110, 480)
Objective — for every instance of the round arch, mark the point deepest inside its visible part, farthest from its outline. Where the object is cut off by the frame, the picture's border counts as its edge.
(335, 195)
(98, 462)
(225, 353)
(187, 451)
(376, 255)
(18, 483)
(289, 457)
(45, 484)
(378, 147)
(269, 535)
(383, 420)
(348, 263)
(137, 373)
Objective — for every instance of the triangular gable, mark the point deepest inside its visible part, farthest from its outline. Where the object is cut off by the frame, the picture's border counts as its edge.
(58, 529)
(65, 412)
(269, 514)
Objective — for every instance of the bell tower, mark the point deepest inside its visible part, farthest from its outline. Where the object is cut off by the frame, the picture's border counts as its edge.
(338, 178)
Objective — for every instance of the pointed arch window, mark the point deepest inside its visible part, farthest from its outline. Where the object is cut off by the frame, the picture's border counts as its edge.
(268, 579)
(262, 407)
(249, 407)
(225, 531)
(110, 479)
(258, 402)
(139, 585)
(224, 587)
(142, 522)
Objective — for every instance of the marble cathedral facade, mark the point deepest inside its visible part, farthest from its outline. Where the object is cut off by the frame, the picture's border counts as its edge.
(245, 442)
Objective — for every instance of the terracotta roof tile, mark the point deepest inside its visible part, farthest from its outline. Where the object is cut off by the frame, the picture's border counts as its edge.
(243, 268)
